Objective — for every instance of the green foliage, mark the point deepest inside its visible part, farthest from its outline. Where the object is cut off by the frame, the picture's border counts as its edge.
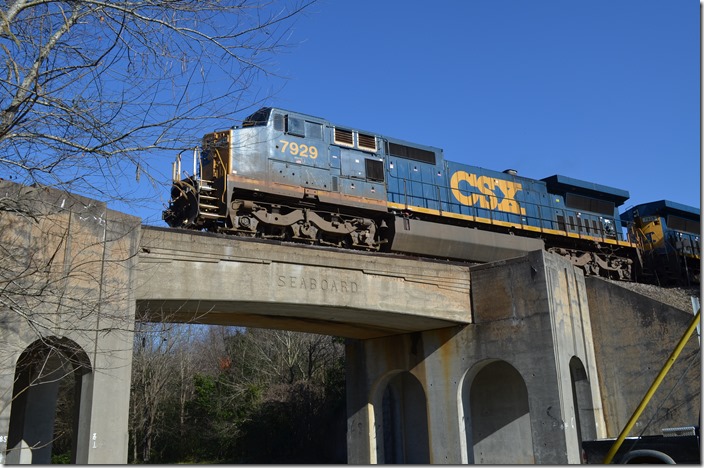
(306, 426)
(61, 459)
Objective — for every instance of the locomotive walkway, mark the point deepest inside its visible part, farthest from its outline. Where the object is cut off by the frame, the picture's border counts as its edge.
(513, 361)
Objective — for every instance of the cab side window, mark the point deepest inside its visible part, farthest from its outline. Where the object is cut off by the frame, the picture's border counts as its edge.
(314, 130)
(295, 126)
(279, 122)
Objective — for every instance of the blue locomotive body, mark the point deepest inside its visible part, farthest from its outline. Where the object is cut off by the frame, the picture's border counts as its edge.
(294, 176)
(669, 234)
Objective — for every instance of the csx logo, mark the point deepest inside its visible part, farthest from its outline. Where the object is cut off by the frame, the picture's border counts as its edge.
(494, 193)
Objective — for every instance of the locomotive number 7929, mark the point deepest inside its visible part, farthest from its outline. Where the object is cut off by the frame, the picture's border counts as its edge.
(301, 150)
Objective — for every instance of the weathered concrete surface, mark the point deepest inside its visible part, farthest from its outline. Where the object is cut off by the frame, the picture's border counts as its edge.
(196, 277)
(530, 313)
(633, 338)
(506, 372)
(66, 264)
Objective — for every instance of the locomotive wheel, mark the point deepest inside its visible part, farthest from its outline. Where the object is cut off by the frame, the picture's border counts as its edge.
(304, 224)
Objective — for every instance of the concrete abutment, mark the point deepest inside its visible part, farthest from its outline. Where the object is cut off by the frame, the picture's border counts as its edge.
(496, 391)
(509, 362)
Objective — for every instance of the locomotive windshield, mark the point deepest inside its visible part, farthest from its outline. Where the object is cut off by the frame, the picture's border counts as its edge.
(258, 119)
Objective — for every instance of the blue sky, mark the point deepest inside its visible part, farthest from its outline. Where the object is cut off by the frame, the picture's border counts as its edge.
(606, 91)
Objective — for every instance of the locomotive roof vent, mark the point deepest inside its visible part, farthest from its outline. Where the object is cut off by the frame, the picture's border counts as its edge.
(511, 171)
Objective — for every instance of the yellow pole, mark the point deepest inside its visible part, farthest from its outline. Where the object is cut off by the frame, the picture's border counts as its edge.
(653, 388)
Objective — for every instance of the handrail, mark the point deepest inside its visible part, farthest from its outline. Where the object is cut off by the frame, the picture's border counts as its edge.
(618, 235)
(176, 169)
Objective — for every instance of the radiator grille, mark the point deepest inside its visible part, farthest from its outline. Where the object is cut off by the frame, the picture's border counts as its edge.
(344, 137)
(410, 152)
(681, 224)
(367, 142)
(582, 203)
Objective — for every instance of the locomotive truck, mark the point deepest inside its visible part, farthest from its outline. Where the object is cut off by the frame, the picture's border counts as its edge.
(295, 177)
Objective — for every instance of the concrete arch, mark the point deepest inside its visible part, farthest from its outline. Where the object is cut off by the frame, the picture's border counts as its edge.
(582, 400)
(44, 370)
(400, 419)
(496, 415)
(463, 410)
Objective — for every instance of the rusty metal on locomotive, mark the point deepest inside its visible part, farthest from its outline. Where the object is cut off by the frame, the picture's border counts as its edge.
(291, 176)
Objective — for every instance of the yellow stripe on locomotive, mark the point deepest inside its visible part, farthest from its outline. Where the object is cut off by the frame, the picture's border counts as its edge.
(290, 175)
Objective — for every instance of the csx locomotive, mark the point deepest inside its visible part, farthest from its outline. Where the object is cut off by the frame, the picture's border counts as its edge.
(291, 176)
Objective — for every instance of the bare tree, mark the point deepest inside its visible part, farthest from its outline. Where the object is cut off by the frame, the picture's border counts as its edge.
(90, 92)
(88, 88)
(162, 372)
(285, 357)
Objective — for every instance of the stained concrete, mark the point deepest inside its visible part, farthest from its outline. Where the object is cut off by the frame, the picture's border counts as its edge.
(633, 338)
(196, 277)
(508, 362)
(71, 261)
(530, 313)
(584, 351)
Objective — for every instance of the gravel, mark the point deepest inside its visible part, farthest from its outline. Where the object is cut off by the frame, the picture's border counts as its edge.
(679, 298)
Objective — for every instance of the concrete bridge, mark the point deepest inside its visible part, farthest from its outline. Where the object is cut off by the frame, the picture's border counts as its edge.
(192, 276)
(514, 361)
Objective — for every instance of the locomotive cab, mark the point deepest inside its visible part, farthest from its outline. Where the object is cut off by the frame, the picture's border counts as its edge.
(199, 199)
(668, 234)
(286, 175)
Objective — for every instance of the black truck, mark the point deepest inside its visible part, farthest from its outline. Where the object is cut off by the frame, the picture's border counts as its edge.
(676, 445)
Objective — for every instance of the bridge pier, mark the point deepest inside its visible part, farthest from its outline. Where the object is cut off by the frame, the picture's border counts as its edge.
(66, 319)
(519, 385)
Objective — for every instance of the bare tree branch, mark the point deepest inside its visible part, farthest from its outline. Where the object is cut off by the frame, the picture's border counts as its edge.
(92, 93)
(91, 88)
